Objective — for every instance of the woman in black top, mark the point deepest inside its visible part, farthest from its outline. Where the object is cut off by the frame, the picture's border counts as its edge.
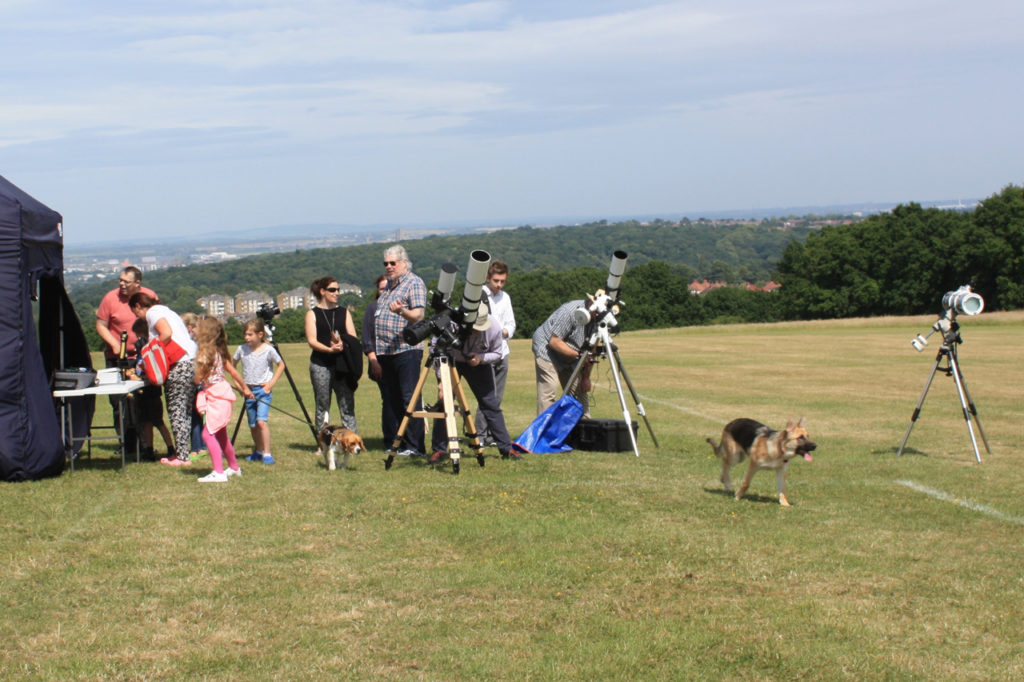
(325, 323)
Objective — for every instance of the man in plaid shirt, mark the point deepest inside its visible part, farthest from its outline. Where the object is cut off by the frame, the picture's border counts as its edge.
(557, 347)
(403, 302)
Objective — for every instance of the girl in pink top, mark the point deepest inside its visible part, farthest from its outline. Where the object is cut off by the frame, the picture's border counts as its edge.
(215, 398)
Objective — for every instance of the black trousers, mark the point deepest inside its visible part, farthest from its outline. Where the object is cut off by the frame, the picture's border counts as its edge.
(480, 380)
(131, 432)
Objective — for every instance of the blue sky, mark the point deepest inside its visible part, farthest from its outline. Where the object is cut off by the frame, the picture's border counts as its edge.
(192, 116)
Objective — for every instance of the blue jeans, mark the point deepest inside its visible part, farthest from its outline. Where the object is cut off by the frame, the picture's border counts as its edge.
(197, 432)
(257, 408)
(399, 375)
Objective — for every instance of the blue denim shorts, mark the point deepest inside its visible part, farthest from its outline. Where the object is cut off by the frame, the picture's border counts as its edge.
(258, 408)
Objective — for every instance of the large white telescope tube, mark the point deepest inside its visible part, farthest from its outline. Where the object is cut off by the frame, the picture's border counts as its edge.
(476, 276)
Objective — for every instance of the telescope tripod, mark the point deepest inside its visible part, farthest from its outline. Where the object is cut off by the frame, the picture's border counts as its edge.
(451, 387)
(600, 343)
(948, 350)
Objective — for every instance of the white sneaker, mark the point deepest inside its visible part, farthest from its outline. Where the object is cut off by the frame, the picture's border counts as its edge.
(229, 472)
(214, 477)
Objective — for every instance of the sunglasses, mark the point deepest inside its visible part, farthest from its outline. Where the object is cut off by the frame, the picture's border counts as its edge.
(333, 290)
(390, 262)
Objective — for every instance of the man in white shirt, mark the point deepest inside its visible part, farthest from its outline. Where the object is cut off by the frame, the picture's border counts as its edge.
(501, 313)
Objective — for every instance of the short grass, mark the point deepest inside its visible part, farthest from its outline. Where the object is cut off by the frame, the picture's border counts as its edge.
(575, 566)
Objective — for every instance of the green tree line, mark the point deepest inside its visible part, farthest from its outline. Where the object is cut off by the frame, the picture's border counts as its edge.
(689, 249)
(732, 251)
(901, 262)
(897, 263)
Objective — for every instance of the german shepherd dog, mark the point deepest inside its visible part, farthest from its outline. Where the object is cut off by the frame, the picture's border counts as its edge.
(766, 448)
(335, 440)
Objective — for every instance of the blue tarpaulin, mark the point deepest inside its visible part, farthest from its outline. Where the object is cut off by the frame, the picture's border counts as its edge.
(550, 430)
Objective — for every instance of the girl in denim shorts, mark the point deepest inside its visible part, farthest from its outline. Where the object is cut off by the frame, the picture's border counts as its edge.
(262, 366)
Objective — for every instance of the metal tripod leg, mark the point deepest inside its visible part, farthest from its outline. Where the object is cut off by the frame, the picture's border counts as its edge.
(961, 390)
(920, 401)
(605, 346)
(970, 405)
(584, 357)
(636, 398)
(298, 399)
(966, 403)
(618, 387)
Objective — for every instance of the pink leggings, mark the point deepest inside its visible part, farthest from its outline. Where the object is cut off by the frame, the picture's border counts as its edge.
(219, 447)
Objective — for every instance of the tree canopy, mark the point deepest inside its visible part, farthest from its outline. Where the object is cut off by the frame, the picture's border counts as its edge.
(896, 263)
(901, 262)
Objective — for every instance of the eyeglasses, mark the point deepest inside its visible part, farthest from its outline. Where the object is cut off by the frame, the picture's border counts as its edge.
(390, 262)
(126, 281)
(333, 290)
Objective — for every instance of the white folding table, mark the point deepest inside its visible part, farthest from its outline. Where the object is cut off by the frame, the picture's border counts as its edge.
(123, 389)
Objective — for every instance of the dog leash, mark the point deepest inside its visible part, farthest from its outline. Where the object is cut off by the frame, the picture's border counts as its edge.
(274, 407)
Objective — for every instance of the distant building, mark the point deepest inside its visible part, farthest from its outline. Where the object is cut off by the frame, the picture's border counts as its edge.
(297, 298)
(350, 289)
(218, 305)
(248, 302)
(701, 288)
(213, 257)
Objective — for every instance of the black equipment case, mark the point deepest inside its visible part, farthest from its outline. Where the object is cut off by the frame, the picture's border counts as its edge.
(602, 435)
(73, 378)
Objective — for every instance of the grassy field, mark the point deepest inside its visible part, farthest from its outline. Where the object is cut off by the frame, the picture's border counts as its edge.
(575, 566)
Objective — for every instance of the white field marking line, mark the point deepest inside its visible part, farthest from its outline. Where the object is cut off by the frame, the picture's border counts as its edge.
(966, 504)
(688, 411)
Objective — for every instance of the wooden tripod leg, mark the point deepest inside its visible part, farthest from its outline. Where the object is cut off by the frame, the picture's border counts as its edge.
(448, 379)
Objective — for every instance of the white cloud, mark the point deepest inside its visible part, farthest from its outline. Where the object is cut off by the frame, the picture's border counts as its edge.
(536, 83)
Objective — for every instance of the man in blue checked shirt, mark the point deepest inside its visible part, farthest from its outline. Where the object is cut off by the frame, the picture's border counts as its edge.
(403, 301)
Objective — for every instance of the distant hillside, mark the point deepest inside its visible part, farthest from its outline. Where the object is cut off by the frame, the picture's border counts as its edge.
(722, 250)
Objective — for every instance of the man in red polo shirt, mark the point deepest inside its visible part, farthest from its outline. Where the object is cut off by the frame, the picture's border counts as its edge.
(113, 317)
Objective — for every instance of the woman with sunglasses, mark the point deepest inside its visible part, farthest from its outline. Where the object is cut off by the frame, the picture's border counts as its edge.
(326, 324)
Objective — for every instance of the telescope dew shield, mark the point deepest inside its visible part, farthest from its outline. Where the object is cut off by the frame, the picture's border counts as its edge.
(446, 281)
(964, 301)
(476, 276)
(615, 271)
(581, 316)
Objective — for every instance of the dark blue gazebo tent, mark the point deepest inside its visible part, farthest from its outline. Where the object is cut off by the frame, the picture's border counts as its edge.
(32, 270)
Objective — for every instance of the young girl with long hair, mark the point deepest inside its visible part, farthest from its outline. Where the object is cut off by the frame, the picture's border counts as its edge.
(262, 366)
(215, 397)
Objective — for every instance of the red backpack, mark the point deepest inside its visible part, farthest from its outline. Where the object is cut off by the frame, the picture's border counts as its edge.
(157, 358)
